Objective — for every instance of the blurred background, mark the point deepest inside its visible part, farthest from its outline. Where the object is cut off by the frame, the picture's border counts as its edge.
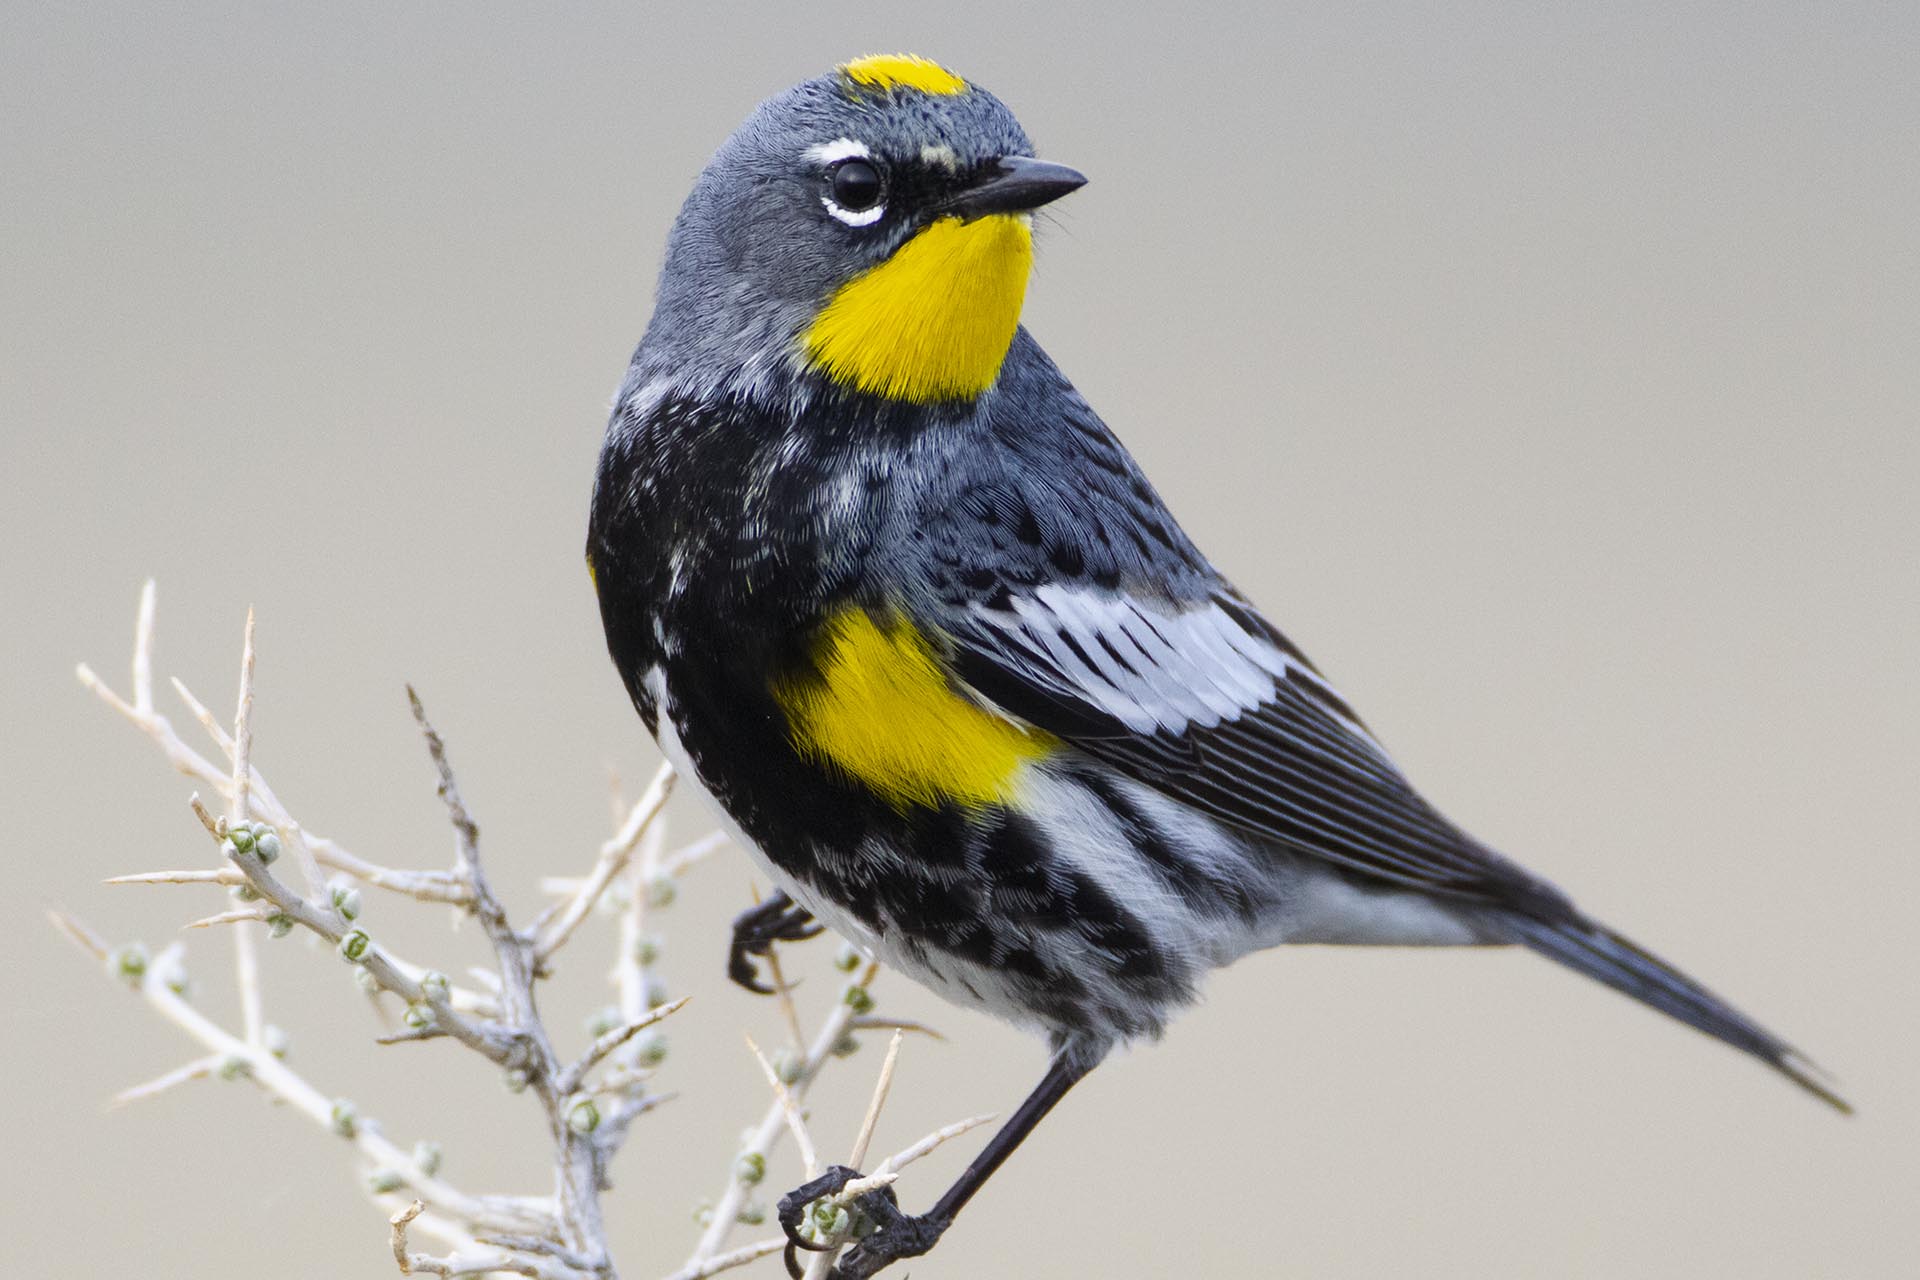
(1550, 376)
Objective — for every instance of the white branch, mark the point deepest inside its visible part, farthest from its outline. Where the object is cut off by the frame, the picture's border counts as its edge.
(281, 1081)
(767, 1133)
(612, 860)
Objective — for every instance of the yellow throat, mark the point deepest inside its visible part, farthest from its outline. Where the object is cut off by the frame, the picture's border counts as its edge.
(934, 321)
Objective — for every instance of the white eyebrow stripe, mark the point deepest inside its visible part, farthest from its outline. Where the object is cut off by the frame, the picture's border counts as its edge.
(838, 149)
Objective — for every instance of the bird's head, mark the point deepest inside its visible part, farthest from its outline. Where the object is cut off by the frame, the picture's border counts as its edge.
(869, 228)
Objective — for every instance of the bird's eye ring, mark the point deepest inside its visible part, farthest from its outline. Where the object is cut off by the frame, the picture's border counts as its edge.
(855, 192)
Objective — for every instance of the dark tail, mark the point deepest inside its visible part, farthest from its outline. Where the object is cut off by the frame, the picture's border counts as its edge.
(1607, 957)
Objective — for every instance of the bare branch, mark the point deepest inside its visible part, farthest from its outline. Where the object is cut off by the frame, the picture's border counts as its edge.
(243, 732)
(242, 915)
(767, 1133)
(728, 1261)
(612, 860)
(281, 1081)
(574, 1076)
(872, 1023)
(472, 1256)
(198, 1069)
(791, 1109)
(206, 875)
(880, 1088)
(143, 651)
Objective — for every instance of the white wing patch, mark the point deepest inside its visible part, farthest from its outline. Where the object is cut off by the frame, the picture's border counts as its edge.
(1155, 671)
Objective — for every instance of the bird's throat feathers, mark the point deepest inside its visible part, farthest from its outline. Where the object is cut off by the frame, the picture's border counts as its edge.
(933, 322)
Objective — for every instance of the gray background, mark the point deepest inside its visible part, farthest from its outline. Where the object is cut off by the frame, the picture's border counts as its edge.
(1550, 376)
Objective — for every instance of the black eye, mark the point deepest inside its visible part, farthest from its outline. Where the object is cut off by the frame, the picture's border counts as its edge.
(856, 185)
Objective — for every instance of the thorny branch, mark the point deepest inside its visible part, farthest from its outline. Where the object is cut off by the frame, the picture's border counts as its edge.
(589, 1103)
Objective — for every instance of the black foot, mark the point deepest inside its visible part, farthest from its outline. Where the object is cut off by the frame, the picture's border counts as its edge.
(755, 930)
(893, 1235)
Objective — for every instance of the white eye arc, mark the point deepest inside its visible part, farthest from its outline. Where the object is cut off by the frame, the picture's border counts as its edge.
(829, 155)
(864, 218)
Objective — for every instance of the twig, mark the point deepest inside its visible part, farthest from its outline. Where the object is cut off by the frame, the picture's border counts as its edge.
(880, 1088)
(205, 875)
(198, 1069)
(241, 915)
(767, 1133)
(274, 1076)
(821, 1264)
(473, 1256)
(575, 1075)
(796, 1123)
(872, 1023)
(578, 1166)
(611, 861)
(728, 1261)
(243, 731)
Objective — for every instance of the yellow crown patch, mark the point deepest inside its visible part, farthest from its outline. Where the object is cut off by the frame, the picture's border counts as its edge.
(886, 71)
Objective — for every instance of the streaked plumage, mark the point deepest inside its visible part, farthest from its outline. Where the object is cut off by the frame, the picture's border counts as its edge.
(939, 653)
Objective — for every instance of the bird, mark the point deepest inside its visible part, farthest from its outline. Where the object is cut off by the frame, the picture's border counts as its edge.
(890, 594)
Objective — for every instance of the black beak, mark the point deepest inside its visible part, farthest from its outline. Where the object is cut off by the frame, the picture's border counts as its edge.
(1015, 185)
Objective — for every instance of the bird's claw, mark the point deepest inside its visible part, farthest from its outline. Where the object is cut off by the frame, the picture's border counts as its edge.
(755, 930)
(889, 1234)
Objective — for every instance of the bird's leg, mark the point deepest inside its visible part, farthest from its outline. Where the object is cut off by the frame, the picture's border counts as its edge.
(897, 1235)
(755, 930)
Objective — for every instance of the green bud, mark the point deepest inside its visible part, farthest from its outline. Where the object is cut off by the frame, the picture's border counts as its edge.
(647, 949)
(848, 958)
(346, 900)
(788, 1066)
(345, 1118)
(583, 1117)
(418, 1017)
(275, 1040)
(830, 1219)
(750, 1168)
(656, 993)
(846, 1046)
(652, 1049)
(385, 1181)
(279, 924)
(266, 845)
(857, 998)
(517, 1080)
(752, 1213)
(660, 892)
(603, 1020)
(244, 893)
(241, 839)
(364, 979)
(426, 1158)
(174, 977)
(354, 946)
(235, 1067)
(129, 963)
(434, 987)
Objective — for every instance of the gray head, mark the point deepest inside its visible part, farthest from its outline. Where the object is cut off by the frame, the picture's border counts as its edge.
(868, 228)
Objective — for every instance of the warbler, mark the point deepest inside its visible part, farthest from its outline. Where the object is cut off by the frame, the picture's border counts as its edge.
(888, 591)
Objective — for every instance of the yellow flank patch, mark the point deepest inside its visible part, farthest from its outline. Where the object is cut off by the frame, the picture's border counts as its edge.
(932, 322)
(902, 71)
(881, 711)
